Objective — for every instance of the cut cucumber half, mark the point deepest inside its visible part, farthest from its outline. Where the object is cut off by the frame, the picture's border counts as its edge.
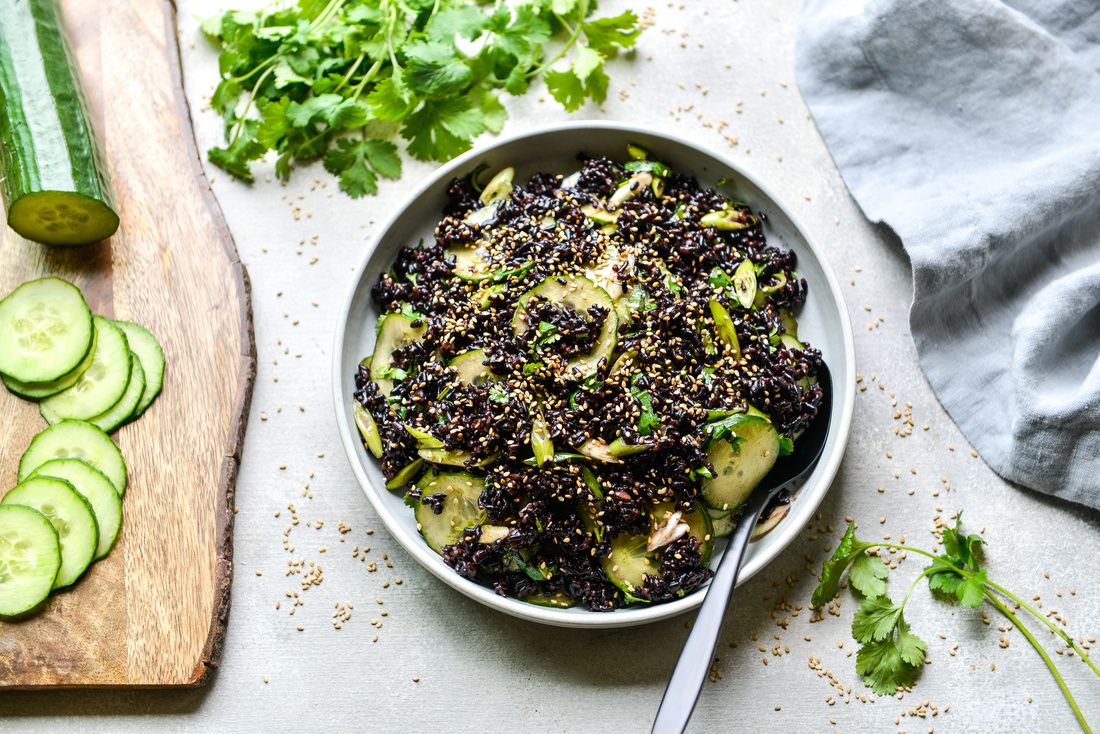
(127, 406)
(40, 390)
(395, 331)
(72, 517)
(95, 487)
(630, 559)
(578, 293)
(460, 509)
(471, 367)
(101, 386)
(30, 557)
(45, 330)
(73, 439)
(53, 176)
(148, 349)
(738, 469)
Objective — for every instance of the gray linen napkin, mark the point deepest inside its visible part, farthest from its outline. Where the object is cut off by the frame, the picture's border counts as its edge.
(972, 129)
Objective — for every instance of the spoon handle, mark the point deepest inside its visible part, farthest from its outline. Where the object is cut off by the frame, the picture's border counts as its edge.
(695, 660)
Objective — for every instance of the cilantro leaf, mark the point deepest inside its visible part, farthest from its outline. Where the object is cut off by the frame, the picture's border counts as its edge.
(567, 88)
(607, 33)
(867, 575)
(358, 163)
(892, 661)
(875, 619)
(972, 590)
(434, 70)
(833, 568)
(442, 129)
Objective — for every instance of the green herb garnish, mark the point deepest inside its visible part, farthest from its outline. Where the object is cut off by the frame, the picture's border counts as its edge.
(891, 655)
(334, 79)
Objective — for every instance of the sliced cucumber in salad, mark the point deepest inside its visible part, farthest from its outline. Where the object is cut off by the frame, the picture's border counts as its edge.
(460, 509)
(30, 558)
(72, 517)
(740, 460)
(579, 294)
(633, 557)
(396, 331)
(471, 367)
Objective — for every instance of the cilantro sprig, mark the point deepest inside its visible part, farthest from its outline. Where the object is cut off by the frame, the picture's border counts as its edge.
(338, 80)
(891, 655)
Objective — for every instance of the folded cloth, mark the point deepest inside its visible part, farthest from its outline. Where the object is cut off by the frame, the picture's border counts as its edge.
(972, 129)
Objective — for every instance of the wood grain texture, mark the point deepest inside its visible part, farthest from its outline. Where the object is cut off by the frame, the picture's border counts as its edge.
(153, 612)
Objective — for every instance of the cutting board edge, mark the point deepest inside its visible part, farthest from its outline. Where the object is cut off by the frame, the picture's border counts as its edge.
(215, 640)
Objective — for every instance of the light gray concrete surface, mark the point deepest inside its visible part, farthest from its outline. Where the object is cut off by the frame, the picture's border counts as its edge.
(442, 663)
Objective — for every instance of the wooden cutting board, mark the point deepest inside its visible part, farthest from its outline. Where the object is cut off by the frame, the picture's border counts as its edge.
(153, 612)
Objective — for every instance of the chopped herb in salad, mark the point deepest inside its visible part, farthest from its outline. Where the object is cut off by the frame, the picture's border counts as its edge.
(578, 384)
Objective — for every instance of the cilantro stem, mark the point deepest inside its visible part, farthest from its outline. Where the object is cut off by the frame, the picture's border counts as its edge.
(248, 105)
(263, 64)
(574, 34)
(351, 71)
(1042, 618)
(366, 78)
(1000, 606)
(913, 586)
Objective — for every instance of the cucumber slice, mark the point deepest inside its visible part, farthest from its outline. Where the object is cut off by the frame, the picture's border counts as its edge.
(148, 349)
(126, 407)
(40, 390)
(95, 487)
(406, 475)
(605, 273)
(71, 516)
(53, 179)
(395, 331)
(30, 557)
(449, 457)
(737, 470)
(722, 523)
(101, 386)
(471, 263)
(578, 293)
(471, 367)
(460, 509)
(45, 326)
(368, 430)
(557, 600)
(630, 559)
(73, 439)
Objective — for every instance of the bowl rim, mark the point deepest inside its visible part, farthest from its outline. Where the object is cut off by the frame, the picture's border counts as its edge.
(781, 537)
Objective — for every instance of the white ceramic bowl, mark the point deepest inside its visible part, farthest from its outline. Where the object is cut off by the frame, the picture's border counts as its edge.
(823, 322)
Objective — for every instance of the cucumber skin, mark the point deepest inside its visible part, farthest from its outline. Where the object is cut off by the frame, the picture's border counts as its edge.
(71, 161)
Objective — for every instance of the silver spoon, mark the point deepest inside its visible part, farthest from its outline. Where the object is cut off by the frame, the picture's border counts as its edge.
(694, 663)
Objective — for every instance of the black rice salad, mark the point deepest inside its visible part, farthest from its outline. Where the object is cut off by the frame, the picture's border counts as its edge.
(579, 382)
